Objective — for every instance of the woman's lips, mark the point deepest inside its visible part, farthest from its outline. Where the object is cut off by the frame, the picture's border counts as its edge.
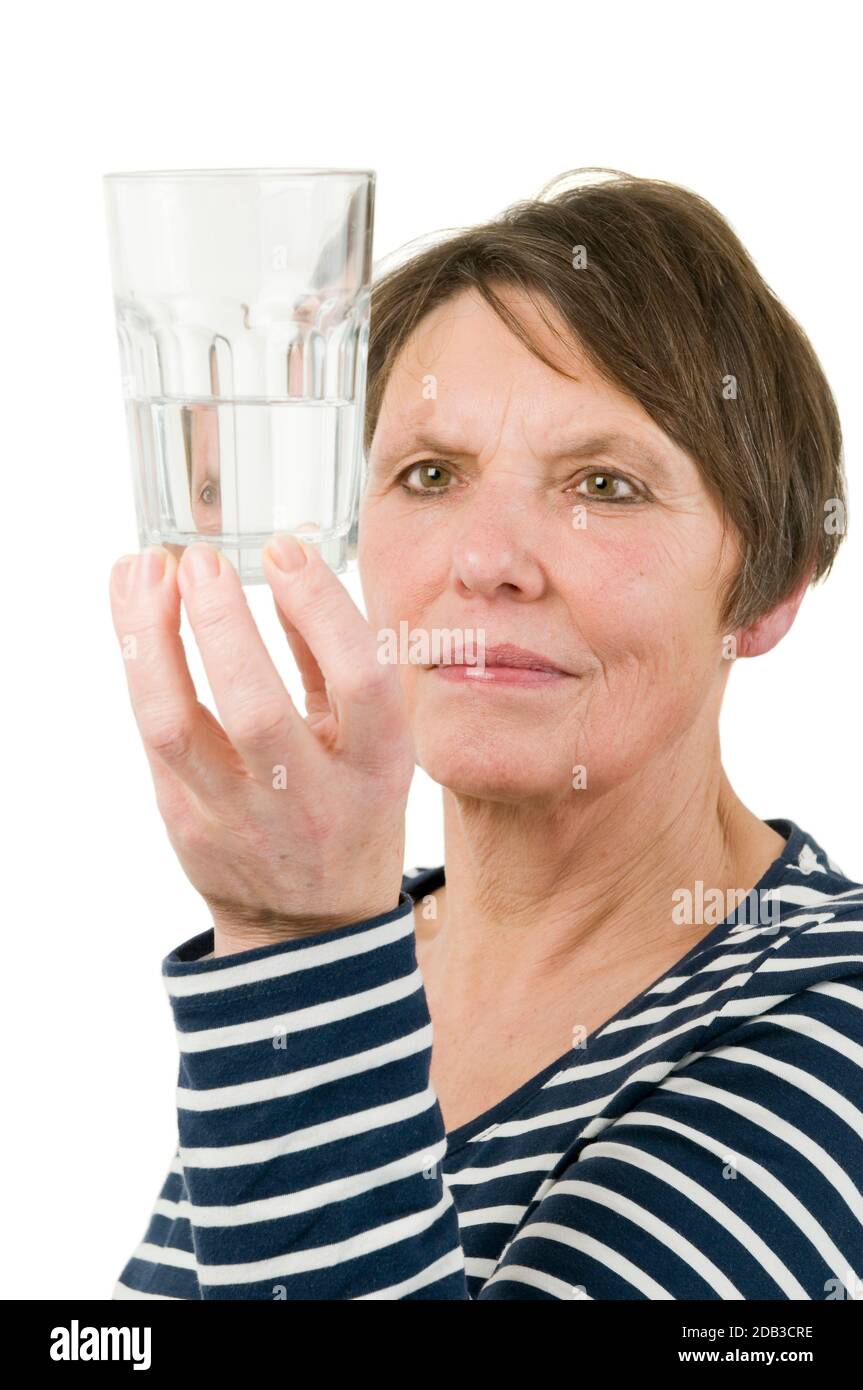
(506, 665)
(499, 675)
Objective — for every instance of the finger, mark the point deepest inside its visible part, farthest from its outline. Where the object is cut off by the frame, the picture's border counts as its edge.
(311, 673)
(315, 602)
(253, 704)
(145, 605)
(319, 714)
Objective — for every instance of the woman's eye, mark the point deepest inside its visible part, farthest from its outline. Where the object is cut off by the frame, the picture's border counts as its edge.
(425, 478)
(209, 495)
(608, 486)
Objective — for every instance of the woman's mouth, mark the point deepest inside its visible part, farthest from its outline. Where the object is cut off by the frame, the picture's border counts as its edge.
(505, 664)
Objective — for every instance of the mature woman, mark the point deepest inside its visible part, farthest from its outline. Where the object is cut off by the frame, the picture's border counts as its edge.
(595, 438)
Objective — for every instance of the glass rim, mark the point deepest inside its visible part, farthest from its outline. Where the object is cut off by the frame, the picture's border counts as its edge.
(262, 173)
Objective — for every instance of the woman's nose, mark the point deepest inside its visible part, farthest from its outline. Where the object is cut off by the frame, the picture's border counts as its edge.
(495, 550)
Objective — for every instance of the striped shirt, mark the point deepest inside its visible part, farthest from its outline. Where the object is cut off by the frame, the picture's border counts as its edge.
(704, 1143)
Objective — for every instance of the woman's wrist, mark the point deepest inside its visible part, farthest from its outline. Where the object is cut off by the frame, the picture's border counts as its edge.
(233, 934)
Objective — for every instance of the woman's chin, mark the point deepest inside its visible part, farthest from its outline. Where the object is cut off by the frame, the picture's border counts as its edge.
(486, 771)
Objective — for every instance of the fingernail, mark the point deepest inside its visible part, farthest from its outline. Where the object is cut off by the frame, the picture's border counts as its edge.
(121, 575)
(150, 567)
(287, 552)
(201, 563)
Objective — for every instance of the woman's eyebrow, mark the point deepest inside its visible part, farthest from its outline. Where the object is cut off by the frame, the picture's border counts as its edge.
(625, 446)
(421, 439)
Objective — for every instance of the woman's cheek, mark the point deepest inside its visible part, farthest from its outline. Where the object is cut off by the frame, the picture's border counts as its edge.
(644, 592)
(617, 596)
(382, 569)
(648, 640)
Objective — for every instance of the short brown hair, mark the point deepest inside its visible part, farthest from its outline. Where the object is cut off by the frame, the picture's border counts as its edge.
(670, 308)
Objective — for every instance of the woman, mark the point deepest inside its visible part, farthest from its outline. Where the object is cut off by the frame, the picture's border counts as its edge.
(596, 439)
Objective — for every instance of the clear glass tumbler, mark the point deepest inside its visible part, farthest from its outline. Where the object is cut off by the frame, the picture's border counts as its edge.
(242, 304)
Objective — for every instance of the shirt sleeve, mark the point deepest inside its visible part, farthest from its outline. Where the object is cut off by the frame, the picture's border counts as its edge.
(738, 1177)
(310, 1138)
(162, 1265)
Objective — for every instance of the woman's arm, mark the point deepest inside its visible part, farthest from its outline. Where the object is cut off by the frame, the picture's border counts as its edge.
(323, 1047)
(310, 1137)
(162, 1265)
(293, 831)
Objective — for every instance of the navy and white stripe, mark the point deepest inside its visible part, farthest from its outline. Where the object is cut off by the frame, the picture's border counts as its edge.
(705, 1143)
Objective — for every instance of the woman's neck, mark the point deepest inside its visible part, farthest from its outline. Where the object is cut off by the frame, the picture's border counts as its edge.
(532, 892)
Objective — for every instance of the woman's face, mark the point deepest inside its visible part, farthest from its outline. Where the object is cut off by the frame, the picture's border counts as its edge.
(551, 515)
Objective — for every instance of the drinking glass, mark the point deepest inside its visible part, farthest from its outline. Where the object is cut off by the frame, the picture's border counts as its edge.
(242, 309)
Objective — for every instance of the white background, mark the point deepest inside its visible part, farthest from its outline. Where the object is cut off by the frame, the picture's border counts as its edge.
(462, 108)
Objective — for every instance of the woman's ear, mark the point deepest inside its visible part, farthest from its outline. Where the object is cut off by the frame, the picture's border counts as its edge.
(762, 635)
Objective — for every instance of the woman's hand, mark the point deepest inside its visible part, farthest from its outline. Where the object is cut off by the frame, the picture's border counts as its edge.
(286, 826)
